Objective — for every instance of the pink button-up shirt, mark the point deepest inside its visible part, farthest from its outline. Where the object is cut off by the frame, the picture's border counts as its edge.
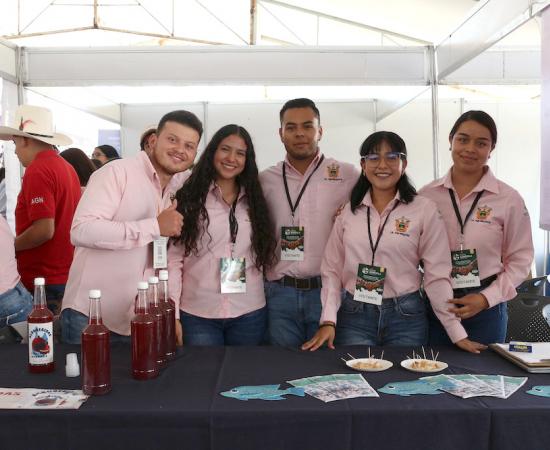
(499, 229)
(113, 227)
(9, 277)
(414, 232)
(329, 188)
(194, 281)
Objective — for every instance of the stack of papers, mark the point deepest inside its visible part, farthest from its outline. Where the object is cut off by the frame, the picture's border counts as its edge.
(536, 361)
(467, 385)
(28, 398)
(329, 388)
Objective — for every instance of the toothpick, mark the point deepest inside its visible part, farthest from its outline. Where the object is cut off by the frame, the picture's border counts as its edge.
(382, 355)
(369, 352)
(345, 360)
(432, 350)
(351, 356)
(423, 352)
(436, 355)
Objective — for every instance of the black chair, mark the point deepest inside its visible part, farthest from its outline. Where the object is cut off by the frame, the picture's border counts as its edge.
(528, 318)
(533, 286)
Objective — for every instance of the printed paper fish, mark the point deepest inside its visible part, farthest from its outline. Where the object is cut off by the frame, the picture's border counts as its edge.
(541, 391)
(263, 392)
(407, 388)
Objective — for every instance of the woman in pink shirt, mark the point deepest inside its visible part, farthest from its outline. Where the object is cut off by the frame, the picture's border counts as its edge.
(489, 232)
(374, 251)
(216, 266)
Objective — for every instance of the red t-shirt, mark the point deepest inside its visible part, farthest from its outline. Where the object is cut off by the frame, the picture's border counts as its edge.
(50, 190)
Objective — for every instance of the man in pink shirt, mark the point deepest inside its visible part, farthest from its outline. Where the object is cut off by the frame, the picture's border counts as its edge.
(15, 300)
(126, 207)
(303, 193)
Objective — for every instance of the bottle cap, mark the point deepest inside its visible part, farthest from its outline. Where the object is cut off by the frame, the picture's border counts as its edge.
(143, 285)
(163, 275)
(72, 369)
(94, 293)
(39, 282)
(153, 280)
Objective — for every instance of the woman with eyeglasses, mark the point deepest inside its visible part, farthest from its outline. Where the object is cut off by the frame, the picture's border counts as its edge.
(489, 233)
(374, 251)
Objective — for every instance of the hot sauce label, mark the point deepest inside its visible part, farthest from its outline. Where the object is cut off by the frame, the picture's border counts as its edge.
(40, 343)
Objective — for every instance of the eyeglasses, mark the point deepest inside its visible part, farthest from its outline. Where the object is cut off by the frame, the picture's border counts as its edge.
(391, 158)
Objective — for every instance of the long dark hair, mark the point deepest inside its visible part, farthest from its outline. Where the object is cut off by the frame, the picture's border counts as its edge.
(372, 145)
(83, 166)
(191, 199)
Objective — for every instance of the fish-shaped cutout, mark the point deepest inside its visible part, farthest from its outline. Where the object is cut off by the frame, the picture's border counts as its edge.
(407, 388)
(262, 392)
(541, 391)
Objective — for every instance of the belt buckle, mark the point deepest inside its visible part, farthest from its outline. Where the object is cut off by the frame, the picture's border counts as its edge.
(303, 284)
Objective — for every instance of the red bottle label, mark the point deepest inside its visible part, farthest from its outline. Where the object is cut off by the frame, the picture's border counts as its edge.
(40, 343)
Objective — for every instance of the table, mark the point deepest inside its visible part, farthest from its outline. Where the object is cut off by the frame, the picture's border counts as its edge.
(182, 408)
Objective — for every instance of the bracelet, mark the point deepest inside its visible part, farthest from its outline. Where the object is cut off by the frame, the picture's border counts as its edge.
(327, 324)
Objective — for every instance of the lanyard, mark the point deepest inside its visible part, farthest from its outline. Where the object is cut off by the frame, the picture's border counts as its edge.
(233, 224)
(373, 248)
(293, 208)
(457, 213)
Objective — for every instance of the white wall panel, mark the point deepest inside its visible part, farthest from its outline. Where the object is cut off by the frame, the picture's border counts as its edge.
(7, 61)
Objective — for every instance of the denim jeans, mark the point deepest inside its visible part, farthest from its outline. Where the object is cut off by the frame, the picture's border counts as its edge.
(74, 322)
(54, 296)
(293, 314)
(248, 329)
(15, 305)
(398, 321)
(486, 327)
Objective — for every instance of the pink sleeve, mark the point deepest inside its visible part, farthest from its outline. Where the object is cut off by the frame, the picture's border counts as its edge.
(435, 253)
(93, 225)
(331, 272)
(517, 253)
(175, 273)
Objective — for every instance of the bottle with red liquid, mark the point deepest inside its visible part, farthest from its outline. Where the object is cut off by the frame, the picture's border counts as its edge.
(40, 332)
(144, 339)
(156, 311)
(96, 351)
(169, 310)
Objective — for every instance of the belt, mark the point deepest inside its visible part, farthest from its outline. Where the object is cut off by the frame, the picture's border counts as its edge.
(303, 284)
(482, 284)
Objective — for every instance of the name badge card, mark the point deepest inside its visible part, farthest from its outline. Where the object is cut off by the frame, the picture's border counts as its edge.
(465, 272)
(233, 275)
(369, 286)
(160, 253)
(292, 243)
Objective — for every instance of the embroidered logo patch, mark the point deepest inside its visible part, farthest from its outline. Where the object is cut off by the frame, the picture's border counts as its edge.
(483, 212)
(402, 225)
(333, 172)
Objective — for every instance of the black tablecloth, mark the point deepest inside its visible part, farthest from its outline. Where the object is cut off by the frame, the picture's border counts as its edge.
(182, 408)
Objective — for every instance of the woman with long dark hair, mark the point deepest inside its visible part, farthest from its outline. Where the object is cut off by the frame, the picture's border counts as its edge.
(216, 266)
(83, 166)
(374, 251)
(489, 232)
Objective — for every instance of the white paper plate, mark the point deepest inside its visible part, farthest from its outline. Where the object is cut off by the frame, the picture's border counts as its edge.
(408, 364)
(384, 364)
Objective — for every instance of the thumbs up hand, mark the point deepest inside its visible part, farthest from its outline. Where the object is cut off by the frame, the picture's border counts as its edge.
(170, 221)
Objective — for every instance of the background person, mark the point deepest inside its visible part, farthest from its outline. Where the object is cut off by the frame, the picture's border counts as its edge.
(82, 165)
(105, 153)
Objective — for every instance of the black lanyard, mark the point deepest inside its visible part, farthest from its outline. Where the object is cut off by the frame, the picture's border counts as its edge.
(373, 248)
(457, 211)
(233, 224)
(293, 208)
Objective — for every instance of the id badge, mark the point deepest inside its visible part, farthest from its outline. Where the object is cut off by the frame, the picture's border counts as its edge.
(233, 275)
(465, 272)
(369, 286)
(292, 243)
(160, 253)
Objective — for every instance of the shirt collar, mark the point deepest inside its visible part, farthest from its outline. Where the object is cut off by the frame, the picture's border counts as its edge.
(217, 192)
(367, 200)
(488, 181)
(310, 168)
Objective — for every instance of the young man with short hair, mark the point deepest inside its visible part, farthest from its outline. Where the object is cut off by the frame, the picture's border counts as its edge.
(303, 192)
(125, 208)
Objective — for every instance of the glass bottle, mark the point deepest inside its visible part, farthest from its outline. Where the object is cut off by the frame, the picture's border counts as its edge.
(40, 332)
(96, 351)
(156, 311)
(144, 339)
(169, 311)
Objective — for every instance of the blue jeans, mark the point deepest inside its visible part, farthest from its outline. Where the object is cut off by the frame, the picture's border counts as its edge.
(293, 314)
(74, 322)
(15, 305)
(54, 296)
(487, 327)
(248, 329)
(398, 321)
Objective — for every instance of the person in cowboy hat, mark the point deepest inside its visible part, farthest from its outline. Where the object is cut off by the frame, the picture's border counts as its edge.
(49, 194)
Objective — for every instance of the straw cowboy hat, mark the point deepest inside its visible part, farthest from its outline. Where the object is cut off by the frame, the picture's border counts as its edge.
(34, 122)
